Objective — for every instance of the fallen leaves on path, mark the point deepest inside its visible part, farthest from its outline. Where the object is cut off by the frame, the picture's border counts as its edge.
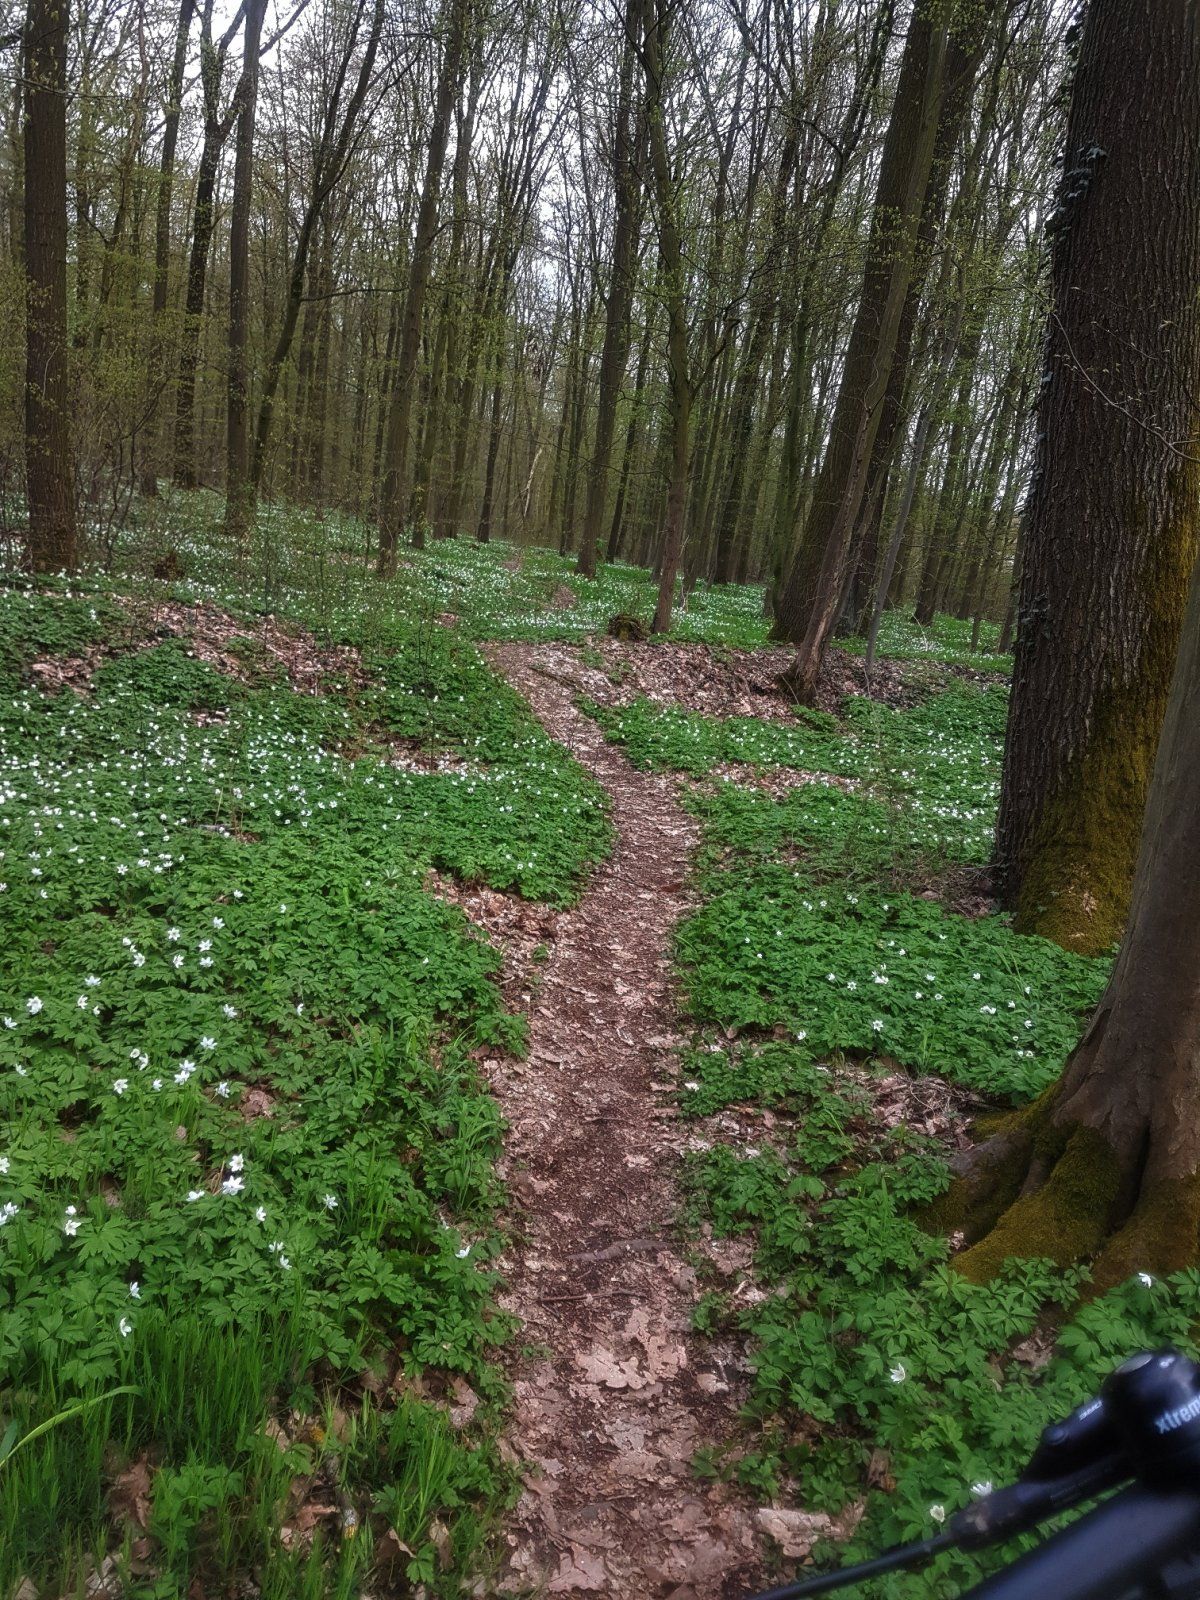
(608, 1416)
(795, 1532)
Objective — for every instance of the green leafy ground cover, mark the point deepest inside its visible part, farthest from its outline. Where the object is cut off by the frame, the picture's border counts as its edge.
(315, 567)
(319, 568)
(30, 628)
(657, 737)
(248, 1169)
(886, 974)
(882, 1379)
(247, 1166)
(927, 779)
(807, 922)
(947, 639)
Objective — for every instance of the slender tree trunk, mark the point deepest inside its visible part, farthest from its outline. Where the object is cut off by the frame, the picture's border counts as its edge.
(386, 372)
(989, 486)
(615, 351)
(216, 131)
(929, 87)
(49, 465)
(330, 161)
(916, 463)
(730, 529)
(575, 437)
(394, 496)
(483, 532)
(674, 289)
(162, 245)
(317, 408)
(941, 532)
(238, 491)
(1112, 526)
(962, 230)
(443, 369)
(629, 450)
(450, 513)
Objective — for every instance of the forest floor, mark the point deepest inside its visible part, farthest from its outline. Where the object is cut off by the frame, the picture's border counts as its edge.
(619, 1392)
(467, 1083)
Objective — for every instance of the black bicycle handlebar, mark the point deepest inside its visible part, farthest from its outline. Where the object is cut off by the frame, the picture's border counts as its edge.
(1143, 1428)
(1108, 1554)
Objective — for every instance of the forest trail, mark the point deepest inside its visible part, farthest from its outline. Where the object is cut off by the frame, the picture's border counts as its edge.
(613, 1393)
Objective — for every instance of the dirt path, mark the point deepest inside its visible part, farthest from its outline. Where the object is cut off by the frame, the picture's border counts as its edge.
(613, 1395)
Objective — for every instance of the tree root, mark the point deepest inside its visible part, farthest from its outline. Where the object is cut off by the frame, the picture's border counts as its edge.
(1037, 1188)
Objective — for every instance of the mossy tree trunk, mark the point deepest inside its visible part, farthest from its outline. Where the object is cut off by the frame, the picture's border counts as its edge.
(1111, 529)
(1106, 1166)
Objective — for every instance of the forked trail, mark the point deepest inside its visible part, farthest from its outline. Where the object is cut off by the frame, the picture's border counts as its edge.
(613, 1393)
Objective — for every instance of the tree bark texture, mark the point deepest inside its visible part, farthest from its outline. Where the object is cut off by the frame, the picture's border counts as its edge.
(1111, 528)
(1107, 1164)
(672, 269)
(162, 243)
(615, 350)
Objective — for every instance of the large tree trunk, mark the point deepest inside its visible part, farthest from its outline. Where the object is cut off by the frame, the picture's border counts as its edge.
(1107, 1165)
(1111, 532)
(930, 86)
(49, 467)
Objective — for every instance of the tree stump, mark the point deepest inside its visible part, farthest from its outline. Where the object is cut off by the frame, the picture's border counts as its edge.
(629, 628)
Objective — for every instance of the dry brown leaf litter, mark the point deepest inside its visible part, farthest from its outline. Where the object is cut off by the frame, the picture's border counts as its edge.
(620, 1394)
(721, 681)
(610, 1413)
(239, 650)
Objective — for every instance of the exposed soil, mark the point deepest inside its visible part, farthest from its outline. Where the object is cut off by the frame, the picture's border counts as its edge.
(613, 1394)
(969, 891)
(522, 930)
(243, 651)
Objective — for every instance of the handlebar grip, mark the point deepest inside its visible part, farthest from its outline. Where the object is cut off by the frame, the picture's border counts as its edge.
(1107, 1553)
